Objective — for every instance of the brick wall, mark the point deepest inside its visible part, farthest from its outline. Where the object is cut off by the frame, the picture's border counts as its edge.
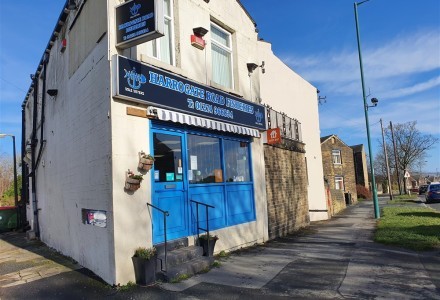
(286, 187)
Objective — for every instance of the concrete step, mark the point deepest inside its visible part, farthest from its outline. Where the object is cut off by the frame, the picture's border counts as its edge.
(189, 268)
(182, 255)
(171, 245)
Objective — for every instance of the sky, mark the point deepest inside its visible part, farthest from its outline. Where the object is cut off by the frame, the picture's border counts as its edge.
(400, 43)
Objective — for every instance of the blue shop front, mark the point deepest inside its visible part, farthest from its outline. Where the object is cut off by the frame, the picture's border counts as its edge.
(201, 139)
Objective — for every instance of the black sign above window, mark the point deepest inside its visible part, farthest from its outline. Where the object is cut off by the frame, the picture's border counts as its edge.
(145, 84)
(138, 21)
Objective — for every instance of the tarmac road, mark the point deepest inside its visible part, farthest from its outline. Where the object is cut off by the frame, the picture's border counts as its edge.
(334, 259)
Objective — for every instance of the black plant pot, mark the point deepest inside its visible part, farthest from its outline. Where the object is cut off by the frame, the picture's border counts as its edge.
(204, 244)
(144, 270)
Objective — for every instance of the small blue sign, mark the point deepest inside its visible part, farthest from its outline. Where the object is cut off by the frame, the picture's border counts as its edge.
(170, 176)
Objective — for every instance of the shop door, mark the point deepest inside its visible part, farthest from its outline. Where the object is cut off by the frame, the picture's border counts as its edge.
(169, 188)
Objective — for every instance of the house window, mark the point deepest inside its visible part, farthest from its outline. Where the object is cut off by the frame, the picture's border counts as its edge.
(162, 48)
(339, 183)
(221, 50)
(336, 154)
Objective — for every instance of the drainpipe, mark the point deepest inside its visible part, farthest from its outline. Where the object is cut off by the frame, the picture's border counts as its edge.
(43, 103)
(34, 143)
(24, 177)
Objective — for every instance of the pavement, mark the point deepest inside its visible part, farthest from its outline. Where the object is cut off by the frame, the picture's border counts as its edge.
(333, 259)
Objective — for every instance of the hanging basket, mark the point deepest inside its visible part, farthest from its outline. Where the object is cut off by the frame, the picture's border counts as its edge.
(132, 184)
(145, 164)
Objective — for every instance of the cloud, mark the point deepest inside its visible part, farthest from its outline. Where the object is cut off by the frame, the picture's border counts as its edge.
(409, 55)
(417, 88)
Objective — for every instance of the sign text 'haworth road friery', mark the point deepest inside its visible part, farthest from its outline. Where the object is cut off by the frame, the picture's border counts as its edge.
(143, 83)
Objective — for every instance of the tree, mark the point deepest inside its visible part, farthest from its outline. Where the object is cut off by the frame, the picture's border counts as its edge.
(412, 146)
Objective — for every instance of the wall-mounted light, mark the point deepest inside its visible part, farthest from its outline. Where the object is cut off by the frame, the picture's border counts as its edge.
(52, 92)
(252, 66)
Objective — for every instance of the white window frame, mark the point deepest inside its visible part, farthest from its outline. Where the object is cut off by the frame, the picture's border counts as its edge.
(335, 155)
(229, 50)
(156, 44)
(339, 182)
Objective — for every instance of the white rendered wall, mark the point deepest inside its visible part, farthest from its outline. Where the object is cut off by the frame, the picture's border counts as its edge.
(131, 134)
(287, 92)
(75, 168)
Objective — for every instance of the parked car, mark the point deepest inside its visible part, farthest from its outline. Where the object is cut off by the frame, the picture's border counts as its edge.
(422, 189)
(433, 192)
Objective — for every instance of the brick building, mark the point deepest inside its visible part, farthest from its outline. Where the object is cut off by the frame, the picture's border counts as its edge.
(339, 171)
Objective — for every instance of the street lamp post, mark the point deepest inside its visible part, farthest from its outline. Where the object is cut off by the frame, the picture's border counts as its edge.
(2, 135)
(373, 181)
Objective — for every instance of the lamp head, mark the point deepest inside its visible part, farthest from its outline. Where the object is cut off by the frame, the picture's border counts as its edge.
(374, 101)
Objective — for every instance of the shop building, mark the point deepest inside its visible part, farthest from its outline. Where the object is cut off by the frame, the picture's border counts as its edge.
(103, 95)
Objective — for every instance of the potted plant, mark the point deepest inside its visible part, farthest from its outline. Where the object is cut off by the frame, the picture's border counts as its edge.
(207, 242)
(144, 262)
(132, 181)
(146, 161)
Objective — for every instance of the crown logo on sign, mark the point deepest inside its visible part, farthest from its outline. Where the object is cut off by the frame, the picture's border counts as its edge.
(258, 116)
(135, 9)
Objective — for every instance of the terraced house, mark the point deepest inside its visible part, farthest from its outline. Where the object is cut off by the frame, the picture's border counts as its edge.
(183, 82)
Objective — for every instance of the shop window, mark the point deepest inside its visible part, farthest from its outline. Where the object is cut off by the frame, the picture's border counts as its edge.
(339, 183)
(204, 159)
(336, 154)
(162, 48)
(221, 52)
(168, 158)
(236, 161)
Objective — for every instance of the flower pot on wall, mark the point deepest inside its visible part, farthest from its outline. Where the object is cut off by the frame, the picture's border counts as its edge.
(146, 161)
(144, 270)
(145, 164)
(132, 182)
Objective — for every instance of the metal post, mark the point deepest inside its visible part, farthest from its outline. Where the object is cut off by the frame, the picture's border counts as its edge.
(386, 162)
(207, 228)
(15, 172)
(370, 153)
(165, 238)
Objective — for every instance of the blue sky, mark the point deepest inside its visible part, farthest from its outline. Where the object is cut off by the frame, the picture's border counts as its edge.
(316, 38)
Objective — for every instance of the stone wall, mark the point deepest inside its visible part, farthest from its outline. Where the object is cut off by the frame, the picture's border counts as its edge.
(338, 201)
(286, 188)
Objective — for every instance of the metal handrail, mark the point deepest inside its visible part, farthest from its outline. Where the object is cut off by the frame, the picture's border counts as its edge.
(165, 215)
(207, 220)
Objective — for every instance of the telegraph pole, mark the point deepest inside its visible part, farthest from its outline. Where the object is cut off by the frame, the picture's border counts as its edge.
(386, 162)
(396, 158)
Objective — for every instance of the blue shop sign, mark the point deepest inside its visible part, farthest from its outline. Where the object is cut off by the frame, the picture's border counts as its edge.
(143, 83)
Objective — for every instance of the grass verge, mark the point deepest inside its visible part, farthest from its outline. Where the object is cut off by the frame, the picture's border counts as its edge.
(414, 228)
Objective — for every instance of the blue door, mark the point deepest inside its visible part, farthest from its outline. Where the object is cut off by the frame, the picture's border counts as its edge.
(169, 186)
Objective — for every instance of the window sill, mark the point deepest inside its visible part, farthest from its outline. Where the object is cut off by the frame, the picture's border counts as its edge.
(225, 89)
(160, 64)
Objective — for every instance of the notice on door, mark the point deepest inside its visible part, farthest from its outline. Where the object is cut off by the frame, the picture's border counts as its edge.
(193, 162)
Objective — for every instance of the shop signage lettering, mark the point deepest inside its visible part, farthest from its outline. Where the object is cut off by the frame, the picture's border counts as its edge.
(143, 83)
(138, 21)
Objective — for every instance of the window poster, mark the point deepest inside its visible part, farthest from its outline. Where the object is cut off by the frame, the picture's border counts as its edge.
(193, 162)
(156, 175)
(170, 176)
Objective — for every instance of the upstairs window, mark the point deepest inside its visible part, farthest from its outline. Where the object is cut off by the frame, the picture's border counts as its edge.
(336, 154)
(162, 48)
(221, 50)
